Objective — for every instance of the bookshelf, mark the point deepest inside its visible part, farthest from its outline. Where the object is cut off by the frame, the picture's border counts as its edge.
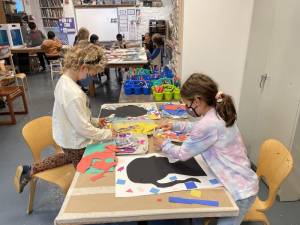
(51, 12)
(103, 3)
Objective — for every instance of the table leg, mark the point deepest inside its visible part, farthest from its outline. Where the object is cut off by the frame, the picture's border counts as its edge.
(11, 110)
(24, 101)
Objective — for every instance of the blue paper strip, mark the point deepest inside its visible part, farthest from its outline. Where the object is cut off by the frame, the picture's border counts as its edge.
(193, 201)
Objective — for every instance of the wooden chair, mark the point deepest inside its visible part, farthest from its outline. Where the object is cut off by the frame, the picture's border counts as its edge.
(10, 94)
(274, 165)
(38, 135)
(22, 77)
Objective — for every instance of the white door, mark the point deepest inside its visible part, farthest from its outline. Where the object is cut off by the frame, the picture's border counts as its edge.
(275, 112)
(256, 63)
(279, 111)
(100, 21)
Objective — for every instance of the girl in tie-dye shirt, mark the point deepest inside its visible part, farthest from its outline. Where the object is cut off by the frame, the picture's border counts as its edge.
(217, 138)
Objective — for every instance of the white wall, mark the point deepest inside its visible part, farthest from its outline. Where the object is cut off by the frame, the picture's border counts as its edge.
(215, 40)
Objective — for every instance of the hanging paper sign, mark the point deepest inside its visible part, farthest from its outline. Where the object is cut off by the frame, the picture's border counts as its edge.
(67, 25)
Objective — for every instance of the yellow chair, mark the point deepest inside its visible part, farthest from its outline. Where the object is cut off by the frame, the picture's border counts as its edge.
(274, 165)
(38, 135)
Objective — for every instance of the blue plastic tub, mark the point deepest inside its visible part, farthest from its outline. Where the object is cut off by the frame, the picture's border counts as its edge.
(138, 90)
(147, 90)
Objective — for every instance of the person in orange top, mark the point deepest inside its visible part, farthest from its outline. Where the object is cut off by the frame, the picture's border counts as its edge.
(52, 47)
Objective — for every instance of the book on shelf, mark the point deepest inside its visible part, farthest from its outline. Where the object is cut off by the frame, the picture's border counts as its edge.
(50, 3)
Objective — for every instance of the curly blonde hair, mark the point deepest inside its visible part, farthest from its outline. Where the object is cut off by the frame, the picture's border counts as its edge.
(85, 53)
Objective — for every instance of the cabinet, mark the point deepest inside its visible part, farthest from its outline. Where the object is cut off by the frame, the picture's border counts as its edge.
(270, 97)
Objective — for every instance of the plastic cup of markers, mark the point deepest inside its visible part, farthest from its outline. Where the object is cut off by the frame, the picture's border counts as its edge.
(158, 96)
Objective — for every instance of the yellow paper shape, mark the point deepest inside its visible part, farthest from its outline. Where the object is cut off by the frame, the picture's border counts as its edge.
(196, 193)
(135, 127)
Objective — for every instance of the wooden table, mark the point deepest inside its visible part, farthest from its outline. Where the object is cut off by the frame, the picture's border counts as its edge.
(94, 202)
(31, 50)
(130, 57)
(122, 58)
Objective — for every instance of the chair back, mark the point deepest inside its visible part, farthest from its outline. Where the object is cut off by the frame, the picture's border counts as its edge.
(38, 135)
(274, 165)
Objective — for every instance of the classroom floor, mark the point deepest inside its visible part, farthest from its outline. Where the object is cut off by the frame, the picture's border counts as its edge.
(48, 198)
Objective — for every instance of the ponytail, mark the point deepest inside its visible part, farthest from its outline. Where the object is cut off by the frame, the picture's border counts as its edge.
(226, 110)
(203, 86)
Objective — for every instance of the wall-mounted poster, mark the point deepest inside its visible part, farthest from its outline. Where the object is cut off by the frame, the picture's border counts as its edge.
(67, 25)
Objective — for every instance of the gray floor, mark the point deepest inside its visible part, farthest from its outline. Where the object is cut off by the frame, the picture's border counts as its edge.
(48, 198)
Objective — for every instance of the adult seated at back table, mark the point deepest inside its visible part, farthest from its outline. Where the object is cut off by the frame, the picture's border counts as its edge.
(36, 38)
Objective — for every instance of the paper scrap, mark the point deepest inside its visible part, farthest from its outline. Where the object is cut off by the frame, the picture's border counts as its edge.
(154, 190)
(121, 182)
(193, 201)
(173, 178)
(190, 185)
(121, 168)
(129, 190)
(214, 181)
(196, 193)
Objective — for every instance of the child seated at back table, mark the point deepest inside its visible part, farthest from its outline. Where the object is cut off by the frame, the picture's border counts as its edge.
(94, 39)
(155, 58)
(52, 47)
(217, 138)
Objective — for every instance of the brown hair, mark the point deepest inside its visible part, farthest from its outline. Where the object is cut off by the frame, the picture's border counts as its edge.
(158, 40)
(82, 35)
(85, 53)
(202, 86)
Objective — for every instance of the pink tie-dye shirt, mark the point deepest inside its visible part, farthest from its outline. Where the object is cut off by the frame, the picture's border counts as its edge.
(223, 150)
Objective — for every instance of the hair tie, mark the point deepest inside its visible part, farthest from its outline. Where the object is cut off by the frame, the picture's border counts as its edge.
(219, 96)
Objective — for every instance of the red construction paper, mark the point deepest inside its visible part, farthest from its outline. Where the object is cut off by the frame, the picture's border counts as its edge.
(174, 107)
(84, 164)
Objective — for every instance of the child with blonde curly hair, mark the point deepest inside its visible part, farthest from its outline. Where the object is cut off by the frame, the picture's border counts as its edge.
(73, 127)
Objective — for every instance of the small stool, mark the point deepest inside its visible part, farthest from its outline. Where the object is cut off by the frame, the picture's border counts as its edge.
(22, 77)
(10, 94)
(34, 63)
(55, 67)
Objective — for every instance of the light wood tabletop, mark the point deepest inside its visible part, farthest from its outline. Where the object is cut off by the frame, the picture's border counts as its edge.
(94, 202)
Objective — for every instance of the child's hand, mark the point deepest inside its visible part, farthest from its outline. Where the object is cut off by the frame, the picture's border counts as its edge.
(166, 126)
(102, 122)
(157, 142)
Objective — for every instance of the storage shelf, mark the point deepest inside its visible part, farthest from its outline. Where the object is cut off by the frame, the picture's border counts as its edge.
(52, 7)
(105, 6)
(51, 18)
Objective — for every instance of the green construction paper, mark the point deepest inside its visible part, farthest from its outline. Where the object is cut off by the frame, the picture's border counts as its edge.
(99, 147)
(93, 170)
(109, 160)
